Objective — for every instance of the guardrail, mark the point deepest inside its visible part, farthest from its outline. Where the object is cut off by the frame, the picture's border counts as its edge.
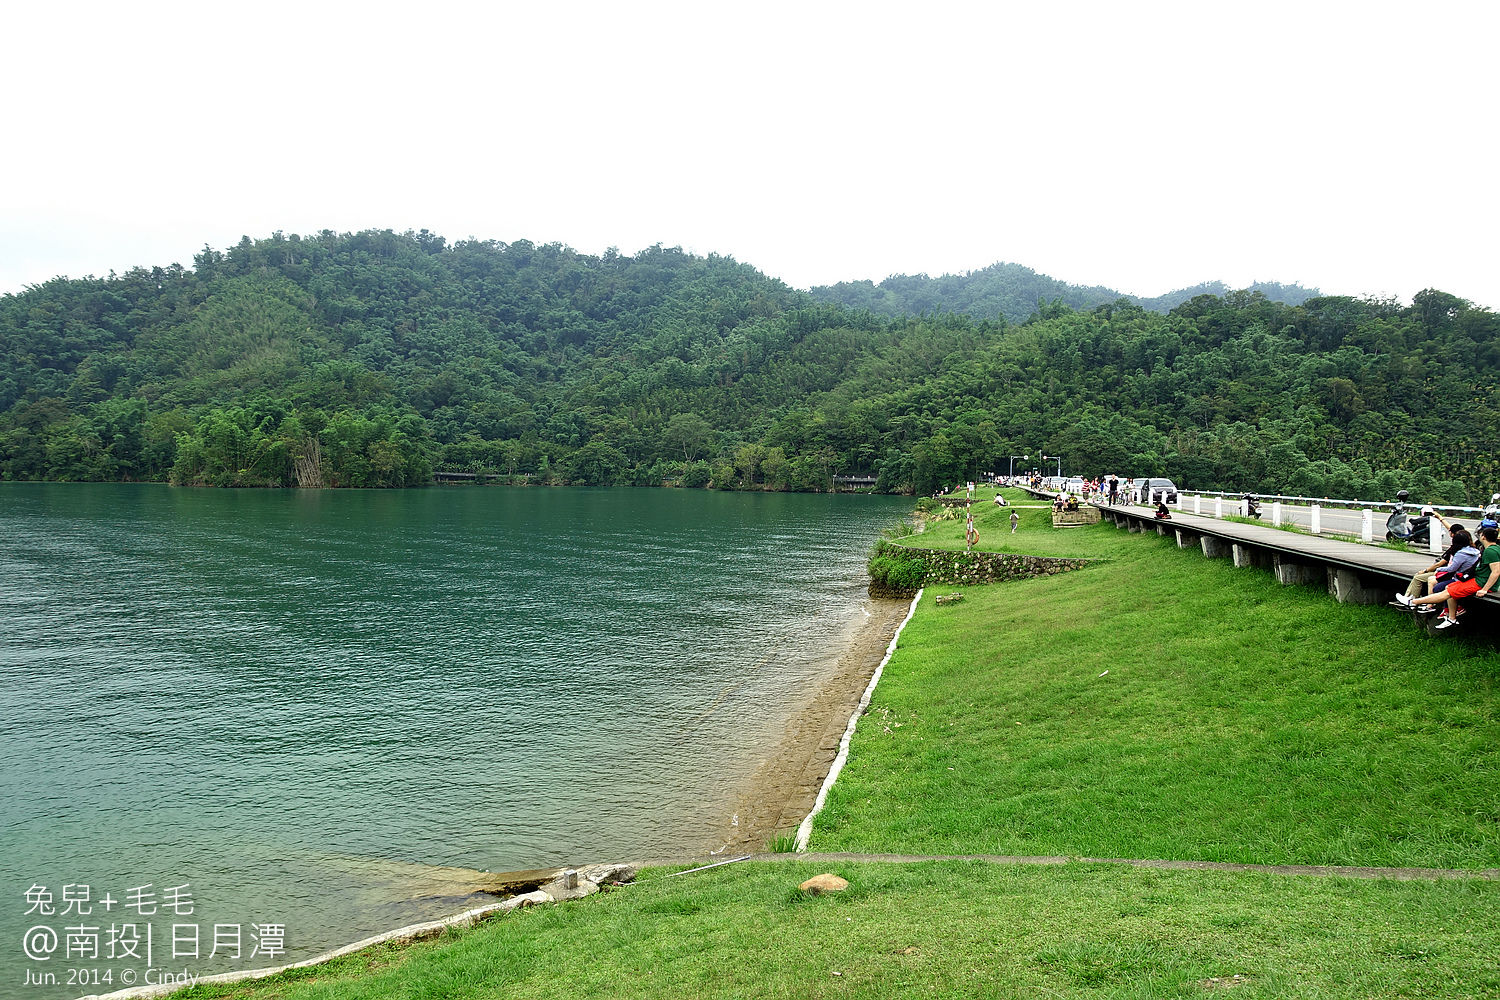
(1333, 502)
(1365, 530)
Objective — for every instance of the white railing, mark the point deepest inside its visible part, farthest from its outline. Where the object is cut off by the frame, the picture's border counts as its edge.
(1331, 502)
(1366, 532)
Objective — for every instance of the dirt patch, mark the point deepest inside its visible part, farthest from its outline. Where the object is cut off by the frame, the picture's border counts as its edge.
(1223, 982)
(782, 791)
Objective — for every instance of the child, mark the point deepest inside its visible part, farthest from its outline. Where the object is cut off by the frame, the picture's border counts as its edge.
(1015, 519)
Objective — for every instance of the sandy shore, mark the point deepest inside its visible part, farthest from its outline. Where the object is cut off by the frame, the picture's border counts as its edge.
(781, 792)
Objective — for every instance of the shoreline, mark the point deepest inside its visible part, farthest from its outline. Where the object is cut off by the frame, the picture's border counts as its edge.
(773, 801)
(779, 794)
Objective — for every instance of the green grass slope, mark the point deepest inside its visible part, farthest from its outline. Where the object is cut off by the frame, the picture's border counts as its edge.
(1163, 705)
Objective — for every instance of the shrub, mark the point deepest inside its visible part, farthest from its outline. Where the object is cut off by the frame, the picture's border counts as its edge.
(893, 572)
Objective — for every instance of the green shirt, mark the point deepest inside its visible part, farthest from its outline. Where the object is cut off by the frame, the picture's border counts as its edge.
(1487, 560)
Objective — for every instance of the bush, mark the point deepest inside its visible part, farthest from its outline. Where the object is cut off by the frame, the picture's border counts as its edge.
(893, 572)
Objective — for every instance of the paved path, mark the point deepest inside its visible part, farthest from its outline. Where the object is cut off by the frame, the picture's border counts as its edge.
(1320, 871)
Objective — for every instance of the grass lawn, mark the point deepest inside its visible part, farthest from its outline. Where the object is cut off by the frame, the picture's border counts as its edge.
(1239, 720)
(951, 929)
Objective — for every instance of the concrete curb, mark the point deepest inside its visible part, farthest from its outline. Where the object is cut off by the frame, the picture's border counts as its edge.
(804, 831)
(583, 882)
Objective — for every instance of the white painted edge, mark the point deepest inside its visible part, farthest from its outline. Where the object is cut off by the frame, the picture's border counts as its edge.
(411, 932)
(804, 831)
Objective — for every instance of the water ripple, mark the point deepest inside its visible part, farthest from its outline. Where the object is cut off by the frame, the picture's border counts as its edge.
(234, 687)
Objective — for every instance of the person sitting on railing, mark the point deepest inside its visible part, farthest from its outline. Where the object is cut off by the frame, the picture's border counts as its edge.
(1478, 577)
(1422, 582)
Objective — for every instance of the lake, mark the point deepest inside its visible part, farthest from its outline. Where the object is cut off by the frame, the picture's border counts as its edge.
(306, 705)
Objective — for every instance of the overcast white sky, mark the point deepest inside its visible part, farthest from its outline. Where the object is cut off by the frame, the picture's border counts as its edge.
(1144, 146)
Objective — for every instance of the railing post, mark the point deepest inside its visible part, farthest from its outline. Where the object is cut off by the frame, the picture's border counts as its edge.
(1276, 513)
(1218, 506)
(1316, 513)
(1197, 505)
(1434, 536)
(1366, 526)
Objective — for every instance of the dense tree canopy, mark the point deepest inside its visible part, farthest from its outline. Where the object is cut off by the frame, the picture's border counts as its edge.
(374, 358)
(1013, 292)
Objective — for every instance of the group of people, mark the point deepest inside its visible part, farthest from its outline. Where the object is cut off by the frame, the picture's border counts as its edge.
(1115, 491)
(1469, 566)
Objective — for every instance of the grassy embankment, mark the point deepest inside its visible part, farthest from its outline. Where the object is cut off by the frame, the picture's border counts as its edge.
(1238, 721)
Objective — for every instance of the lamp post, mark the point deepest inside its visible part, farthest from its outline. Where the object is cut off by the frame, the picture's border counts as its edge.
(1024, 458)
(1050, 458)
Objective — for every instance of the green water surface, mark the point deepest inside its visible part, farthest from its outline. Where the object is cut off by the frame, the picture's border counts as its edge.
(304, 703)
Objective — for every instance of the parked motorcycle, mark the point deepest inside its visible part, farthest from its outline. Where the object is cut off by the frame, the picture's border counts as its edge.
(1252, 505)
(1491, 516)
(1404, 527)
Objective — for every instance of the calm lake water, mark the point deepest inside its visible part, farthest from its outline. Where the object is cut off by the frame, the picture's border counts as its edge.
(303, 703)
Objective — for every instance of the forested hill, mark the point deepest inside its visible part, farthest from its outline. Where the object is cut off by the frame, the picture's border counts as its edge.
(1013, 292)
(371, 359)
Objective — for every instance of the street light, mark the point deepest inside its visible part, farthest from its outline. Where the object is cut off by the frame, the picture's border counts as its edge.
(1057, 458)
(1024, 458)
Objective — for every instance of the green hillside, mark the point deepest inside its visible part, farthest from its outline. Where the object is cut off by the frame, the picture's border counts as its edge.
(374, 358)
(1014, 292)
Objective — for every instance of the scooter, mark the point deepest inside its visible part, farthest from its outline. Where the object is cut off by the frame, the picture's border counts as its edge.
(1252, 506)
(1402, 527)
(1491, 516)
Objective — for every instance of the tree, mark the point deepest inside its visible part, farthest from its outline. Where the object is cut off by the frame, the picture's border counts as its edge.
(688, 433)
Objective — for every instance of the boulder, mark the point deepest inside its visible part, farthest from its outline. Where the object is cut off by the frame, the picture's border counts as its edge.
(826, 882)
(607, 874)
(560, 890)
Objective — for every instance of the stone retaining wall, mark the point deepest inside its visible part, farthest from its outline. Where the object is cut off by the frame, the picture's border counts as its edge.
(956, 568)
(1075, 518)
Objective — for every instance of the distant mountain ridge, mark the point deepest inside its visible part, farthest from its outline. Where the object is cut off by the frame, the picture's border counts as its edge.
(1014, 291)
(375, 359)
